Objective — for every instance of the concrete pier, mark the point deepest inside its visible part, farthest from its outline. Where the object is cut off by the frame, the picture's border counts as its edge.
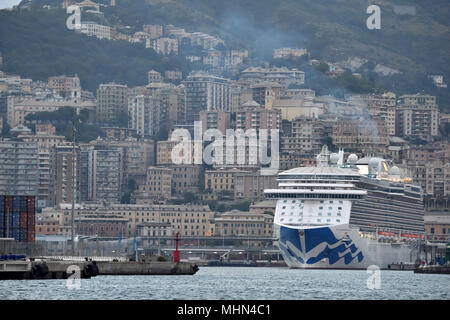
(26, 269)
(433, 269)
(146, 268)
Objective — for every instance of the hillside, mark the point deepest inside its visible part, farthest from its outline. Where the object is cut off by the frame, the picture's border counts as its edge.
(36, 43)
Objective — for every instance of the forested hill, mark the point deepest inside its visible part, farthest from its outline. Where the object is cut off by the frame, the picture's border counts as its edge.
(36, 43)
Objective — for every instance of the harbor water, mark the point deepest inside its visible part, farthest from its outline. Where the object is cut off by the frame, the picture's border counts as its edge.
(239, 283)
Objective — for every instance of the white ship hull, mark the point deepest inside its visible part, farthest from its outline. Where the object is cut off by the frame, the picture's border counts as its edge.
(337, 247)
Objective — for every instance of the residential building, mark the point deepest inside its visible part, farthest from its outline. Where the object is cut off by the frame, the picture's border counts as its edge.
(68, 87)
(306, 137)
(186, 178)
(112, 104)
(265, 93)
(363, 137)
(66, 174)
(173, 75)
(45, 142)
(101, 225)
(205, 92)
(219, 120)
(19, 168)
(154, 31)
(381, 107)
(100, 173)
(250, 185)
(417, 117)
(136, 156)
(92, 29)
(157, 186)
(165, 46)
(284, 53)
(187, 220)
(437, 226)
(20, 106)
(237, 223)
(298, 107)
(144, 115)
(154, 76)
(221, 180)
(252, 116)
(283, 76)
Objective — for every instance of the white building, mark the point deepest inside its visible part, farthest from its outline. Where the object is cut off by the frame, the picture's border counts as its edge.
(93, 29)
(283, 53)
(144, 116)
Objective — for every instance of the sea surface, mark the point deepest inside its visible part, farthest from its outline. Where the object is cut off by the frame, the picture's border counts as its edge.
(239, 283)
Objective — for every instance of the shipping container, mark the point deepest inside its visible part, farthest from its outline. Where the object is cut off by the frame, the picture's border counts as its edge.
(23, 235)
(16, 234)
(15, 220)
(31, 235)
(17, 217)
(23, 220)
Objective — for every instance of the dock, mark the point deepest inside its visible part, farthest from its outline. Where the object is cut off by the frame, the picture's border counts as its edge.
(433, 269)
(30, 269)
(118, 268)
(85, 268)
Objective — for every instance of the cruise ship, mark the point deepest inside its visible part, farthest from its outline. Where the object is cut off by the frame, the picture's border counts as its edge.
(347, 215)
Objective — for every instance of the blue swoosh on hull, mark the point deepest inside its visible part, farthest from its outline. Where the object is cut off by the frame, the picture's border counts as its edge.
(292, 236)
(315, 237)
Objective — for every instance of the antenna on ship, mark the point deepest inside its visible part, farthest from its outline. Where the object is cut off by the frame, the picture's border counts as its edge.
(323, 157)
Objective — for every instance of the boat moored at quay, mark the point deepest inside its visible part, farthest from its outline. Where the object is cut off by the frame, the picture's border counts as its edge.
(347, 215)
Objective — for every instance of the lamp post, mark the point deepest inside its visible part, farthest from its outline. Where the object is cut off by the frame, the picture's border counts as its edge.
(73, 189)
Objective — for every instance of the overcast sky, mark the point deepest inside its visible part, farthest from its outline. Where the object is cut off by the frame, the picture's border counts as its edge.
(8, 3)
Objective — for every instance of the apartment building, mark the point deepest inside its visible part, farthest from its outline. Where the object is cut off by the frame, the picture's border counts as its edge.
(65, 174)
(417, 117)
(112, 104)
(244, 224)
(363, 137)
(205, 92)
(19, 168)
(252, 116)
(380, 107)
(188, 220)
(68, 87)
(144, 114)
(221, 180)
(92, 29)
(220, 120)
(157, 186)
(250, 185)
(100, 173)
(306, 137)
(46, 143)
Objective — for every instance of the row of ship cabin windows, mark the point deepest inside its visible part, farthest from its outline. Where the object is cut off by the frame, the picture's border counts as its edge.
(300, 220)
(321, 201)
(320, 208)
